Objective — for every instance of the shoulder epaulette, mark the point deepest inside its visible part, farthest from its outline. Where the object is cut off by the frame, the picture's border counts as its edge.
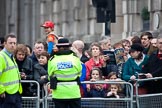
(51, 57)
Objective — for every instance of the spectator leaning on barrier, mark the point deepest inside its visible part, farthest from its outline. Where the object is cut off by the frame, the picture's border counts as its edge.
(51, 37)
(40, 69)
(154, 68)
(133, 66)
(25, 66)
(10, 86)
(135, 63)
(114, 91)
(64, 70)
(95, 90)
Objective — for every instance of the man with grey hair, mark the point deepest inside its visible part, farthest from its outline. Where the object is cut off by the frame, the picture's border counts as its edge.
(39, 47)
(78, 47)
(105, 44)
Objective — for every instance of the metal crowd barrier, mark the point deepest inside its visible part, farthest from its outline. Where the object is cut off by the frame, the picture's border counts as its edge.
(148, 100)
(31, 101)
(125, 102)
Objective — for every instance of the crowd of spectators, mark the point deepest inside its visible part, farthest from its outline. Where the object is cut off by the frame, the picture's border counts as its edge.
(142, 54)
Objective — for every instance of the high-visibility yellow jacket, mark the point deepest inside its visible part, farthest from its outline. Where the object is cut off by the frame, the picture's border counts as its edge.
(66, 68)
(9, 75)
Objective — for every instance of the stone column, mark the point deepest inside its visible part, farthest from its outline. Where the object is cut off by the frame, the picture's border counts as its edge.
(76, 18)
(64, 12)
(11, 16)
(3, 18)
(94, 29)
(132, 18)
(155, 9)
(118, 27)
(57, 16)
(24, 22)
(35, 22)
(126, 18)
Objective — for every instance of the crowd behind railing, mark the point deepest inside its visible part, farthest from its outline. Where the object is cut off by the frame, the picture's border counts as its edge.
(130, 59)
(127, 60)
(126, 96)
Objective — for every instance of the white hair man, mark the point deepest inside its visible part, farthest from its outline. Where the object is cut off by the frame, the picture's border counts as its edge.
(78, 47)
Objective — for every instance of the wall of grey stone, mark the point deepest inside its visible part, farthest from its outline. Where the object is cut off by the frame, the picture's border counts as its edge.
(155, 9)
(75, 19)
(2, 18)
(22, 17)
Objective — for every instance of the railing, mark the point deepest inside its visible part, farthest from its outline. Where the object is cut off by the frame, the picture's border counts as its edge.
(142, 100)
(126, 102)
(148, 100)
(31, 101)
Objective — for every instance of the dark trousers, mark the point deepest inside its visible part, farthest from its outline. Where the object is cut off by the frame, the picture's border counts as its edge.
(67, 103)
(11, 101)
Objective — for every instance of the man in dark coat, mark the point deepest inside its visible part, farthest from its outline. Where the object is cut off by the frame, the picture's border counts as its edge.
(154, 68)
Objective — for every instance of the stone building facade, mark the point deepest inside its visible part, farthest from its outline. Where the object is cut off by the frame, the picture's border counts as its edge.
(76, 19)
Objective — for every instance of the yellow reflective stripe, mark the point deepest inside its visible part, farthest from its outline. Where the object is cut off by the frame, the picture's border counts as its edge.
(67, 76)
(67, 83)
(7, 64)
(5, 59)
(10, 68)
(11, 83)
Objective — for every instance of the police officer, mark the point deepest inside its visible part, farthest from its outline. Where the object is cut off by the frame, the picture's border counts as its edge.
(64, 70)
(10, 86)
(51, 37)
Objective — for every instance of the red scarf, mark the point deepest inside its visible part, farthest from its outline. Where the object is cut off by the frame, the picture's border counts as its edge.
(159, 56)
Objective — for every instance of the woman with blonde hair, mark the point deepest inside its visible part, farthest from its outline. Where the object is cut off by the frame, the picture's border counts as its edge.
(25, 67)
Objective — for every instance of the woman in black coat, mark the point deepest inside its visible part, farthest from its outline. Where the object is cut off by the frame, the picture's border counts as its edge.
(40, 69)
(25, 68)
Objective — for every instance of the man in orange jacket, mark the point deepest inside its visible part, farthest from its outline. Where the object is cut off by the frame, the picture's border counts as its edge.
(51, 37)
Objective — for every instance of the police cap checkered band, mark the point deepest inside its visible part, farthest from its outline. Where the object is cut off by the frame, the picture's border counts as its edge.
(63, 42)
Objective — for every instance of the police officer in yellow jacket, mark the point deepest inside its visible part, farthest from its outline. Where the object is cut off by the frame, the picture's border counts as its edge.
(10, 86)
(64, 69)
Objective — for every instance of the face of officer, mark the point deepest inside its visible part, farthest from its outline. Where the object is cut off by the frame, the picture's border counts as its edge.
(10, 44)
